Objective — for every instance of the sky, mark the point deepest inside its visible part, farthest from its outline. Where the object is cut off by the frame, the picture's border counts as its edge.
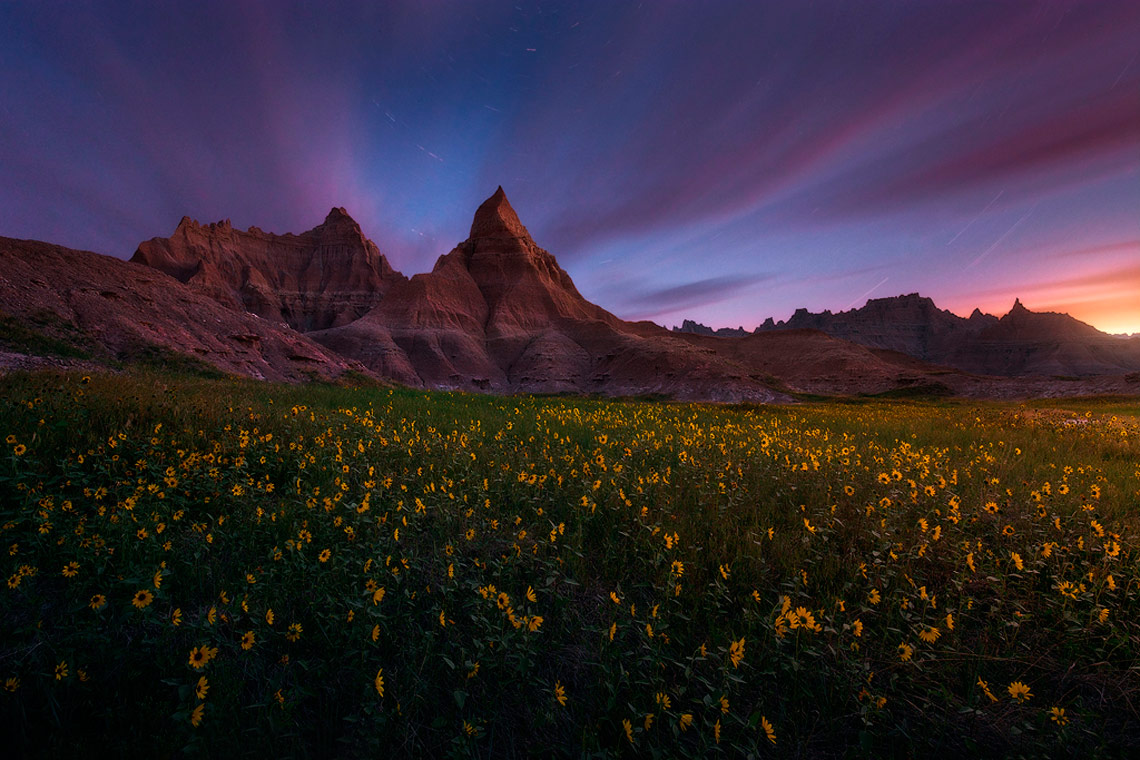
(719, 161)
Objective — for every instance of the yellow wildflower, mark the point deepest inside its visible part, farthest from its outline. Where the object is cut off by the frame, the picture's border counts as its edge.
(1019, 691)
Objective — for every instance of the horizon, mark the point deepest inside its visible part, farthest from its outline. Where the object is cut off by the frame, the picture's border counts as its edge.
(724, 164)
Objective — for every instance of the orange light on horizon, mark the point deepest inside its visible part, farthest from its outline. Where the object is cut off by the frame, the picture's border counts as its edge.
(1100, 286)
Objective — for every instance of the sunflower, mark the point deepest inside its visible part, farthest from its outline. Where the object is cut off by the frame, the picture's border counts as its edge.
(142, 598)
(736, 652)
(1019, 691)
(324, 555)
(560, 693)
(19, 450)
(196, 715)
(930, 635)
(199, 656)
(247, 640)
(378, 681)
(769, 732)
(97, 601)
(202, 687)
(71, 569)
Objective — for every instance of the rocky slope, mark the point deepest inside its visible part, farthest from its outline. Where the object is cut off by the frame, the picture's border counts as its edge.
(325, 277)
(61, 307)
(1022, 343)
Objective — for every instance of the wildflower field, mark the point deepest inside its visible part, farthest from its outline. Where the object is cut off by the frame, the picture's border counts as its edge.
(222, 566)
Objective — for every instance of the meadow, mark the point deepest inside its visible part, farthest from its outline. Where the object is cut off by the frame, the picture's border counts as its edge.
(208, 566)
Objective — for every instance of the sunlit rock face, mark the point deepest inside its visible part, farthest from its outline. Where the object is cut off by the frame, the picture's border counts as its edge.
(328, 276)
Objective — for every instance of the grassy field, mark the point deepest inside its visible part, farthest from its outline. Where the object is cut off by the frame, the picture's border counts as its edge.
(220, 566)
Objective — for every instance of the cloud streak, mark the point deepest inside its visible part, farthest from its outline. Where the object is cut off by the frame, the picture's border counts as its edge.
(652, 303)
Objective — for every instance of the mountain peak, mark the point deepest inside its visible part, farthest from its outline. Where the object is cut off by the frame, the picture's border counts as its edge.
(496, 218)
(338, 214)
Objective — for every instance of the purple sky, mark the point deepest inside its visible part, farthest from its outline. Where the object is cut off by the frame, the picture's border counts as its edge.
(720, 161)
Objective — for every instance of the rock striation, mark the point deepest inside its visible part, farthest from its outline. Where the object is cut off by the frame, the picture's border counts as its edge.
(97, 310)
(325, 277)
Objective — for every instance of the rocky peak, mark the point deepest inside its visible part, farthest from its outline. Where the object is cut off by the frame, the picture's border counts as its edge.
(496, 219)
(329, 275)
(338, 216)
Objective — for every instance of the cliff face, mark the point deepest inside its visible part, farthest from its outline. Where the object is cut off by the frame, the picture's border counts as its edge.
(109, 310)
(325, 277)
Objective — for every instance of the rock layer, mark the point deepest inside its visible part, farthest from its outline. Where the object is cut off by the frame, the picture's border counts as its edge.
(106, 310)
(328, 276)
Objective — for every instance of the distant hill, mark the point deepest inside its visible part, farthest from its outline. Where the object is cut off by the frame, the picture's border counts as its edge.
(1021, 343)
(696, 328)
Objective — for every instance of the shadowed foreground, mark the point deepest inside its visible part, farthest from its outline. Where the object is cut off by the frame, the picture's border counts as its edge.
(312, 570)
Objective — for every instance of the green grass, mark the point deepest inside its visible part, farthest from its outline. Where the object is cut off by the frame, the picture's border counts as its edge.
(825, 538)
(49, 336)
